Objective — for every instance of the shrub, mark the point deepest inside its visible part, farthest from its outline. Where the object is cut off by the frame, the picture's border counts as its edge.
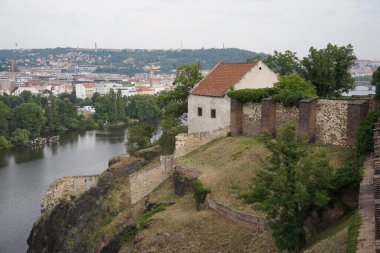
(200, 193)
(348, 176)
(20, 137)
(170, 128)
(138, 137)
(364, 134)
(4, 143)
(251, 95)
(144, 219)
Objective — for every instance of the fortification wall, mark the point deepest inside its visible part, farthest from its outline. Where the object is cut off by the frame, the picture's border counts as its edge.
(187, 142)
(144, 181)
(285, 115)
(66, 188)
(331, 124)
(251, 118)
(254, 222)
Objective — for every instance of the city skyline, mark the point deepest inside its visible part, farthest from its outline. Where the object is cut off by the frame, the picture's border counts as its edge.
(260, 26)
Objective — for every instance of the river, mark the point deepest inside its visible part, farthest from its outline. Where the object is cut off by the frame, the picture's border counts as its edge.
(26, 173)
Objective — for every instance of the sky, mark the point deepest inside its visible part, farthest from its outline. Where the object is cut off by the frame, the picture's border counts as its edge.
(257, 25)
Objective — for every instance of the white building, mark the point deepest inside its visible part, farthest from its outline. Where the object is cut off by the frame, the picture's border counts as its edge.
(208, 105)
(105, 88)
(84, 90)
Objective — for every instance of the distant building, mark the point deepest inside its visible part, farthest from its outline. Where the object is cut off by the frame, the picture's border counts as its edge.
(84, 90)
(209, 107)
(105, 88)
(145, 91)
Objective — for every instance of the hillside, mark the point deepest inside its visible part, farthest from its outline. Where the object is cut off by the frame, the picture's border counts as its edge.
(129, 61)
(103, 219)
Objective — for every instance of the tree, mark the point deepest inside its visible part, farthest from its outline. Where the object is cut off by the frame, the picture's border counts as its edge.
(142, 107)
(20, 136)
(296, 182)
(138, 137)
(170, 128)
(328, 69)
(29, 116)
(4, 119)
(175, 101)
(283, 63)
(26, 95)
(376, 81)
(290, 89)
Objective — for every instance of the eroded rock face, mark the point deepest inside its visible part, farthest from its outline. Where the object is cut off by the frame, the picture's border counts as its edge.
(99, 219)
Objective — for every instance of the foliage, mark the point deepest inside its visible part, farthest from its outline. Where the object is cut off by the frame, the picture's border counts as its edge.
(4, 143)
(170, 128)
(283, 63)
(147, 215)
(346, 177)
(353, 233)
(29, 116)
(143, 107)
(364, 134)
(200, 193)
(110, 108)
(290, 89)
(175, 101)
(295, 182)
(256, 58)
(4, 118)
(251, 95)
(328, 69)
(376, 81)
(20, 137)
(138, 137)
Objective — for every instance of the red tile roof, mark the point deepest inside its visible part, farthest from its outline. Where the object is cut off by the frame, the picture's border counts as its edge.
(221, 78)
(88, 85)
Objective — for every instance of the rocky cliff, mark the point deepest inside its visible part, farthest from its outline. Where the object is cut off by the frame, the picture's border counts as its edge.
(100, 220)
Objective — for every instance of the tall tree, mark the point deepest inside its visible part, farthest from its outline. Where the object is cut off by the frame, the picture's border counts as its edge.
(283, 63)
(328, 69)
(29, 116)
(295, 183)
(175, 101)
(4, 119)
(143, 107)
(376, 81)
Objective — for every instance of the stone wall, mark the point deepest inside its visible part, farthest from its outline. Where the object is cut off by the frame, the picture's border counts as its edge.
(251, 118)
(187, 142)
(144, 181)
(254, 222)
(331, 122)
(285, 115)
(66, 188)
(183, 179)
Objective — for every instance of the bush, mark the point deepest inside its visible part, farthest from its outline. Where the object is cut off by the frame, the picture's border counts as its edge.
(138, 137)
(144, 219)
(251, 95)
(4, 143)
(20, 137)
(348, 176)
(200, 193)
(364, 134)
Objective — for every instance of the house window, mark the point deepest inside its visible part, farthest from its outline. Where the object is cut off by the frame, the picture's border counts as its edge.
(199, 111)
(259, 68)
(213, 113)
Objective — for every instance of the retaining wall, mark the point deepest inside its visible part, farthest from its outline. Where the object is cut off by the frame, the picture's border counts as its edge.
(144, 181)
(66, 188)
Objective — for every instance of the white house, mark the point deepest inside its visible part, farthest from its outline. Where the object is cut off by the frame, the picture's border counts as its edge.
(208, 105)
(84, 90)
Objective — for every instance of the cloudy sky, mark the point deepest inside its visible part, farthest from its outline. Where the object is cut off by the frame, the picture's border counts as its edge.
(258, 25)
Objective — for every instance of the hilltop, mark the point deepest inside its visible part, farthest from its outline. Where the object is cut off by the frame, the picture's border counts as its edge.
(127, 61)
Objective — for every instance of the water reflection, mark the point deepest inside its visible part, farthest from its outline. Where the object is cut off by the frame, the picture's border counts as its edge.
(27, 154)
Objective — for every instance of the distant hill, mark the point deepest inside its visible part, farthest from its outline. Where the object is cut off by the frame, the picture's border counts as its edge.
(128, 61)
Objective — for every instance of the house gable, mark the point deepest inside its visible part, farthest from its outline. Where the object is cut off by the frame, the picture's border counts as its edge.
(260, 76)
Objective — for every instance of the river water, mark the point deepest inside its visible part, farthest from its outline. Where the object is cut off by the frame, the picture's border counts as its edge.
(26, 173)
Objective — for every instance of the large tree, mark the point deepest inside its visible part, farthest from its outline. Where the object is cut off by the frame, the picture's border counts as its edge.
(328, 69)
(143, 107)
(295, 183)
(4, 119)
(175, 101)
(283, 63)
(29, 116)
(376, 81)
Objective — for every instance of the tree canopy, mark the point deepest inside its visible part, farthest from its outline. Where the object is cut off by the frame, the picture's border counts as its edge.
(29, 116)
(328, 69)
(283, 63)
(376, 81)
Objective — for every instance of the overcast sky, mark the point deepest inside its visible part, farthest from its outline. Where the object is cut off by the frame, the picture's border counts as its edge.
(257, 25)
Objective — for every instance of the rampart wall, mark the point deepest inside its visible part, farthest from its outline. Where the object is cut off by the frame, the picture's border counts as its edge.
(66, 188)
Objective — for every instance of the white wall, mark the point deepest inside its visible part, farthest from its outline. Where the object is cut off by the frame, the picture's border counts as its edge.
(257, 78)
(205, 123)
(80, 91)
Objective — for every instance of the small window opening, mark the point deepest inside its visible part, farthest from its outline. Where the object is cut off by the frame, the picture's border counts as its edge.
(213, 113)
(199, 111)
(259, 68)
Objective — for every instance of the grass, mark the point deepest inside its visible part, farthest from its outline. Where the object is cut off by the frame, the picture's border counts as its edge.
(353, 233)
(228, 164)
(146, 217)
